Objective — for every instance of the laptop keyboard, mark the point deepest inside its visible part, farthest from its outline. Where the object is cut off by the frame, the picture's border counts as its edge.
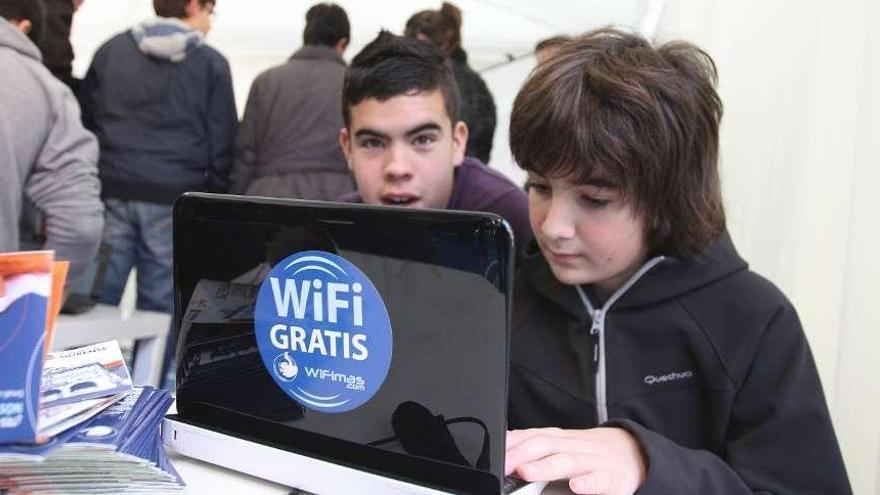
(512, 483)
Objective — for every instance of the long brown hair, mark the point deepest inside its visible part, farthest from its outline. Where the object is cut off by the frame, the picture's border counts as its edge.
(609, 104)
(441, 27)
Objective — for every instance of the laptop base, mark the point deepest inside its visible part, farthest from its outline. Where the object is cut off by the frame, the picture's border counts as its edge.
(288, 468)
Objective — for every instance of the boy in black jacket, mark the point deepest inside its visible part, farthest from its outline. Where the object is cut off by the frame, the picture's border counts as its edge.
(646, 357)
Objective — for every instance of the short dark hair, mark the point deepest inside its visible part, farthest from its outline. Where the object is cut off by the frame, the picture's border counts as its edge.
(609, 105)
(25, 10)
(442, 27)
(394, 65)
(326, 24)
(176, 8)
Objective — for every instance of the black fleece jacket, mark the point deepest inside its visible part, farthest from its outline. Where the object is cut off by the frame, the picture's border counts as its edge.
(705, 362)
(477, 107)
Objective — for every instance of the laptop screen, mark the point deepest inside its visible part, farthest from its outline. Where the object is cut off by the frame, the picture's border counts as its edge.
(370, 337)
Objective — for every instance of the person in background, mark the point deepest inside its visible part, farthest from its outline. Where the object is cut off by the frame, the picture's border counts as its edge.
(161, 104)
(288, 142)
(55, 43)
(443, 29)
(545, 48)
(645, 356)
(405, 142)
(46, 155)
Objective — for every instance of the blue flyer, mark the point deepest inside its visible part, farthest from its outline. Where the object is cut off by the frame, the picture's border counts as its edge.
(24, 302)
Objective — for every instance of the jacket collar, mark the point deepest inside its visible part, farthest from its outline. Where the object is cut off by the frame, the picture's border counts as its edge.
(670, 278)
(317, 52)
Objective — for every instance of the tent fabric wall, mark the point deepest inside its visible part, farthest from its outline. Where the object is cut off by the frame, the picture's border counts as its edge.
(798, 160)
(799, 165)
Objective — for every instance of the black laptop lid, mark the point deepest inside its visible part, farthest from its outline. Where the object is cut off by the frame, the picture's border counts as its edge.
(371, 337)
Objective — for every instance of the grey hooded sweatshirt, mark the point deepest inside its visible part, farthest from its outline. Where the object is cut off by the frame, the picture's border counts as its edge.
(46, 155)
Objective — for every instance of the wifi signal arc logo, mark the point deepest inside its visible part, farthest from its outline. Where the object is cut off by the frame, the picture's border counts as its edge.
(323, 331)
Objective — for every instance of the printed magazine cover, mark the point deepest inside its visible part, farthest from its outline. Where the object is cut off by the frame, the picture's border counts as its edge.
(25, 291)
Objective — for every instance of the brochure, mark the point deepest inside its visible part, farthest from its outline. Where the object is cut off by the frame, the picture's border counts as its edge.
(85, 373)
(25, 290)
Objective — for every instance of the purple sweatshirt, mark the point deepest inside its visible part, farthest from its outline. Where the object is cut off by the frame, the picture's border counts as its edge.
(477, 187)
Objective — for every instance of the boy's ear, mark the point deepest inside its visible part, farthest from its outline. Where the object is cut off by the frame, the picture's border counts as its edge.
(459, 142)
(345, 144)
(24, 26)
(192, 8)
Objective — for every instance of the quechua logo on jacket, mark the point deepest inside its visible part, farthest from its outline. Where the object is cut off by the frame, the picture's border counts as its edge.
(323, 331)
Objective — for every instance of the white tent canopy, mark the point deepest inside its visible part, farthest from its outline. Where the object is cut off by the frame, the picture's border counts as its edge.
(257, 34)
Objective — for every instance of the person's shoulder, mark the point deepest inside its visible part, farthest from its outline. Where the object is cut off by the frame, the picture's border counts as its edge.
(738, 312)
(215, 59)
(748, 289)
(488, 177)
(484, 184)
(214, 55)
(480, 188)
(116, 44)
(118, 38)
(292, 69)
(32, 77)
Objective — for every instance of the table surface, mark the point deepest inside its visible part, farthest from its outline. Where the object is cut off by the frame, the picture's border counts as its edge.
(202, 477)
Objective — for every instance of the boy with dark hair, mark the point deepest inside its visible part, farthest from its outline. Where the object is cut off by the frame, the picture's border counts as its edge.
(404, 141)
(327, 25)
(161, 104)
(645, 355)
(288, 143)
(46, 156)
(180, 9)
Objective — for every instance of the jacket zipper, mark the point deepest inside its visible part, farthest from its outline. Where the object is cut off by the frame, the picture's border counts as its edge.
(597, 336)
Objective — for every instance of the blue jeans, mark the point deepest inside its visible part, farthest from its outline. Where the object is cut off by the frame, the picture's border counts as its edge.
(140, 236)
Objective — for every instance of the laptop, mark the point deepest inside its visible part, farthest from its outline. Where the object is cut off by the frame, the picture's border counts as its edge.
(340, 348)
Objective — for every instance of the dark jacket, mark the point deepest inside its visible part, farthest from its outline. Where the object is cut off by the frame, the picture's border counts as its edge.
(705, 362)
(165, 127)
(477, 107)
(288, 143)
(55, 41)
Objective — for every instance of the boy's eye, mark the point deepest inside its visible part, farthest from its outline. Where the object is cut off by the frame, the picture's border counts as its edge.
(594, 202)
(424, 140)
(538, 187)
(372, 143)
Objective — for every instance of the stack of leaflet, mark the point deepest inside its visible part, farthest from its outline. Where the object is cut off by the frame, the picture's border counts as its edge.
(53, 405)
(117, 451)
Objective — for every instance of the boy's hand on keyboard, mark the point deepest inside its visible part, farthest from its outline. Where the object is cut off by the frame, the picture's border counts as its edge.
(607, 461)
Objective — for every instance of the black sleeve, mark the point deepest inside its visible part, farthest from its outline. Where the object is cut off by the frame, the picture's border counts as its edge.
(86, 93)
(222, 125)
(780, 439)
(481, 109)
